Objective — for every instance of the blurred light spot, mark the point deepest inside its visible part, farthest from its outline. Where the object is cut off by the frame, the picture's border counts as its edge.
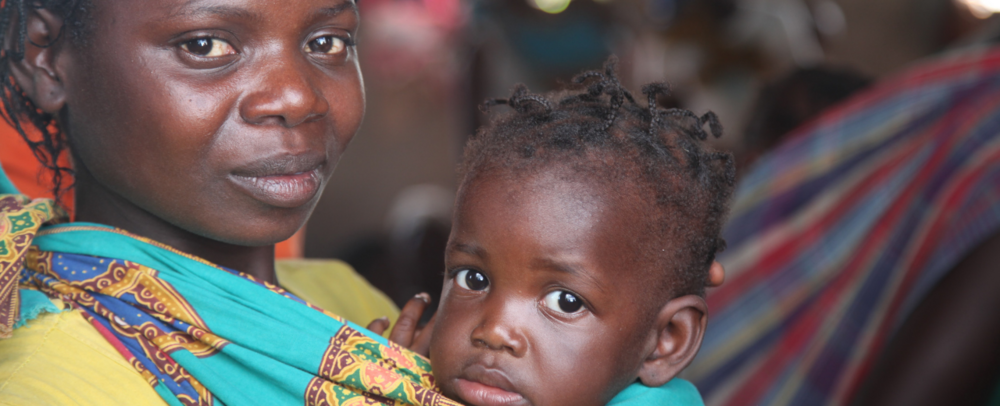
(550, 6)
(982, 8)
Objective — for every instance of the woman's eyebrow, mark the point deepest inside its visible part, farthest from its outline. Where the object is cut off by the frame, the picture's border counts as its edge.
(336, 10)
(232, 12)
(216, 10)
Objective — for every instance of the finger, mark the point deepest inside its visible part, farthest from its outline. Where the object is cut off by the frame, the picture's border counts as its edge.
(406, 325)
(379, 325)
(422, 342)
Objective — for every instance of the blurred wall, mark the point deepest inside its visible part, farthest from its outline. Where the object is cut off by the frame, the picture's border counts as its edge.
(409, 132)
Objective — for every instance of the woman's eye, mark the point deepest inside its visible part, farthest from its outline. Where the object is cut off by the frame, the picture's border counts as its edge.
(471, 280)
(327, 44)
(208, 47)
(563, 302)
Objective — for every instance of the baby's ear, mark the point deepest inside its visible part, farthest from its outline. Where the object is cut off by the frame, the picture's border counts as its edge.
(680, 327)
(36, 72)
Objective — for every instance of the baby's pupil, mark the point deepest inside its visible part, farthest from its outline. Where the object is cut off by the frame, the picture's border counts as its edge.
(476, 280)
(200, 46)
(569, 303)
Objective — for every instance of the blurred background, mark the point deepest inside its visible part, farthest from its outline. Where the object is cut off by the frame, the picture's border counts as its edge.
(783, 334)
(429, 63)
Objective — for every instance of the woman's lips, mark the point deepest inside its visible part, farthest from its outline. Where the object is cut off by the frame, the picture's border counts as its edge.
(480, 394)
(281, 190)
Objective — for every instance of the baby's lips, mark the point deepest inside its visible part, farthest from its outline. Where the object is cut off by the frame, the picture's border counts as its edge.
(480, 394)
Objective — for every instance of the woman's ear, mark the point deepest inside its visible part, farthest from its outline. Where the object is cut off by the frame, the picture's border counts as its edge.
(36, 73)
(680, 326)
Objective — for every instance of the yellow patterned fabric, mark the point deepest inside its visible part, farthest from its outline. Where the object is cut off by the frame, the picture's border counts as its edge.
(33, 370)
(334, 286)
(20, 219)
(34, 367)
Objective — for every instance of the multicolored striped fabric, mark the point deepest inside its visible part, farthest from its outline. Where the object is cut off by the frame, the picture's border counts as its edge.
(837, 235)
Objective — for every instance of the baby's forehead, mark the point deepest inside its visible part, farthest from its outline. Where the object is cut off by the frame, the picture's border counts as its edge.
(599, 189)
(569, 206)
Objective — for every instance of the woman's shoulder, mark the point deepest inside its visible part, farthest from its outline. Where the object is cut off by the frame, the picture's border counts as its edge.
(335, 287)
(60, 359)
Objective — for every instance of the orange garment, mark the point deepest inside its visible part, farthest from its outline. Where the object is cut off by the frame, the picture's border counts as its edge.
(25, 171)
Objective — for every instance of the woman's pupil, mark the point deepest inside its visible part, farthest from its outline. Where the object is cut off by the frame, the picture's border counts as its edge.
(200, 46)
(569, 303)
(476, 280)
(322, 44)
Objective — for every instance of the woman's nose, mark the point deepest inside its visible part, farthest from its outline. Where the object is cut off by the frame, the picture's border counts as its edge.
(499, 331)
(285, 96)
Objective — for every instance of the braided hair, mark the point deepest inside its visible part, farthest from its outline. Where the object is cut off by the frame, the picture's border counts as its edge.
(597, 124)
(20, 111)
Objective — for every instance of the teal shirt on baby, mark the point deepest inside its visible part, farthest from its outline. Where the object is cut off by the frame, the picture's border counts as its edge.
(677, 392)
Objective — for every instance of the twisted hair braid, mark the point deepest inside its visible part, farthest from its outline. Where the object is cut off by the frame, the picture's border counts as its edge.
(18, 109)
(660, 151)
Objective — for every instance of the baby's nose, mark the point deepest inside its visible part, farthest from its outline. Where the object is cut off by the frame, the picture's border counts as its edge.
(499, 331)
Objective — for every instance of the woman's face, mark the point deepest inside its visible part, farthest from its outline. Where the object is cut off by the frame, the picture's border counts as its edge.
(224, 118)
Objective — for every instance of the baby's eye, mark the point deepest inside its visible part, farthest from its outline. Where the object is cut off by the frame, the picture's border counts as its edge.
(563, 302)
(208, 47)
(327, 44)
(471, 280)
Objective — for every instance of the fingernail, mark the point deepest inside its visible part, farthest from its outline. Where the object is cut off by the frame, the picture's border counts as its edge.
(384, 318)
(423, 296)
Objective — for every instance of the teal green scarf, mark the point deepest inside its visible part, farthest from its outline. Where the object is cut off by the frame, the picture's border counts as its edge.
(199, 333)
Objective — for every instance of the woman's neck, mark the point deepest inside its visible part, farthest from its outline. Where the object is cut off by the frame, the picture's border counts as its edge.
(97, 204)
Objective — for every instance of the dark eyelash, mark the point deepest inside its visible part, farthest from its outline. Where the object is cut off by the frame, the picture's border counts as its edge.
(450, 273)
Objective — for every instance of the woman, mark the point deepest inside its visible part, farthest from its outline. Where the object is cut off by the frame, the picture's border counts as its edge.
(201, 133)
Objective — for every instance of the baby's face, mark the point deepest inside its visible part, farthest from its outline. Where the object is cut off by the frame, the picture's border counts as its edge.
(546, 300)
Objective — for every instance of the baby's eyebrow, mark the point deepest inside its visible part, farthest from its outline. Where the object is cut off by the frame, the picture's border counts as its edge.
(569, 268)
(468, 248)
(558, 266)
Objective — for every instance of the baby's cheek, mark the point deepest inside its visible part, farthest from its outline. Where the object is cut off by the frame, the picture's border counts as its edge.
(443, 364)
(445, 349)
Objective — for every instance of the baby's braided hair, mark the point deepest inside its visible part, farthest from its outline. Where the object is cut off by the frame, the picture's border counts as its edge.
(660, 151)
(18, 109)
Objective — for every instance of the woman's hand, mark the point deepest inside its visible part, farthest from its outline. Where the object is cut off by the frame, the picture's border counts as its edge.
(405, 332)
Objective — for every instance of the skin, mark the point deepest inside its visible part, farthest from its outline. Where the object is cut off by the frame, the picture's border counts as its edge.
(166, 130)
(535, 234)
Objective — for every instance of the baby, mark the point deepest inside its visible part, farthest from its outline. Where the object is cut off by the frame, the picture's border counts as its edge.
(584, 234)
